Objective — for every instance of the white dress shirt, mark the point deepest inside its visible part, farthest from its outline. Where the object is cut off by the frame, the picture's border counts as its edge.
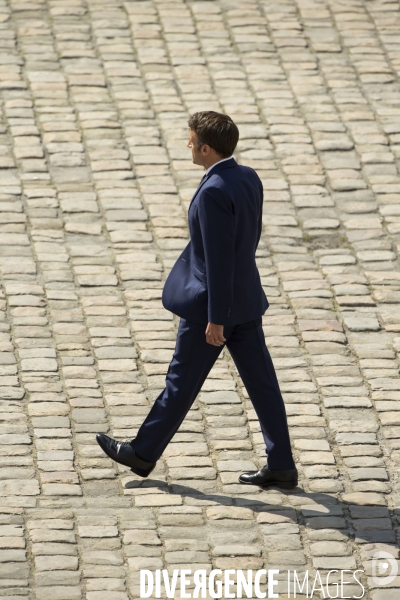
(217, 163)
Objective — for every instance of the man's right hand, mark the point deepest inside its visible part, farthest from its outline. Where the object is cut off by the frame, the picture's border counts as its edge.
(215, 334)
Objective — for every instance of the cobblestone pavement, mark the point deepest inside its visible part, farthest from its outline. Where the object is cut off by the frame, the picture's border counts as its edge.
(95, 182)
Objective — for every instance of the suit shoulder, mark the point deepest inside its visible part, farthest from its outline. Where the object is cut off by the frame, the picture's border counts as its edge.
(249, 172)
(222, 181)
(216, 188)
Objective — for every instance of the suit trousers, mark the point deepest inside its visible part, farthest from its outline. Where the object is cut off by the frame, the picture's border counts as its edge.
(192, 361)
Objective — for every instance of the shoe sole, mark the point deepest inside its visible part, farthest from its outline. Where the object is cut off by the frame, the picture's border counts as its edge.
(286, 485)
(140, 473)
(133, 469)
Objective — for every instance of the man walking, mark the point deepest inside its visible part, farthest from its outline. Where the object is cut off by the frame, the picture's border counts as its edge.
(215, 288)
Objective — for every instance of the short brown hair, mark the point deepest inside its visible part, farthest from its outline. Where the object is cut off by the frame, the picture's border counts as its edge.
(216, 130)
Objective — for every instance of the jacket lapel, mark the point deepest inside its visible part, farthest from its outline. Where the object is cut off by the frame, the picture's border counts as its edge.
(218, 167)
(202, 182)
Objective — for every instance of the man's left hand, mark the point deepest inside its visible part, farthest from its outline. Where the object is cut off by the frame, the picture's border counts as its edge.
(215, 334)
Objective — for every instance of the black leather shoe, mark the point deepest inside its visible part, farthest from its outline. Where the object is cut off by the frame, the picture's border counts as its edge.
(283, 478)
(123, 453)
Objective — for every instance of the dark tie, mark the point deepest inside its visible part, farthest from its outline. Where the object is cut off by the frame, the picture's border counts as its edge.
(201, 180)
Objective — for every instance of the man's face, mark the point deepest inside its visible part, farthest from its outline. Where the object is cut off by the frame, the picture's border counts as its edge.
(197, 156)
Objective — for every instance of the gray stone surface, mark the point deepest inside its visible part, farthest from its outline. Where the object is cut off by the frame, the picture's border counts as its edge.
(95, 183)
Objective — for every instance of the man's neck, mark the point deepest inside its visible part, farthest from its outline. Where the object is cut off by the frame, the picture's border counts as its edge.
(211, 161)
(216, 162)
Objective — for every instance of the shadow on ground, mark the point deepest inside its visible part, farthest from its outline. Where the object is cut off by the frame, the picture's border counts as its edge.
(313, 510)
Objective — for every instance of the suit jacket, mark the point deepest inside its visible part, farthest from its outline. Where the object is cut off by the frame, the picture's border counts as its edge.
(216, 279)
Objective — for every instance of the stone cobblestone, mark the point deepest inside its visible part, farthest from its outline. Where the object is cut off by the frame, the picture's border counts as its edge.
(95, 183)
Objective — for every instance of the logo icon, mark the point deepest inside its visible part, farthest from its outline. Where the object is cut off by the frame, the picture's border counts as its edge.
(384, 568)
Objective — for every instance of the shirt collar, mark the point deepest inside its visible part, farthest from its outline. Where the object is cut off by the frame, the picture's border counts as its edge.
(217, 163)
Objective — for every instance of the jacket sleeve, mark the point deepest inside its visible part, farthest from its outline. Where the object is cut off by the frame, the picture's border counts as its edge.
(217, 224)
(260, 218)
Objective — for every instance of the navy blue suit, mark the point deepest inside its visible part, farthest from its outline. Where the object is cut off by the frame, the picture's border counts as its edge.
(216, 280)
